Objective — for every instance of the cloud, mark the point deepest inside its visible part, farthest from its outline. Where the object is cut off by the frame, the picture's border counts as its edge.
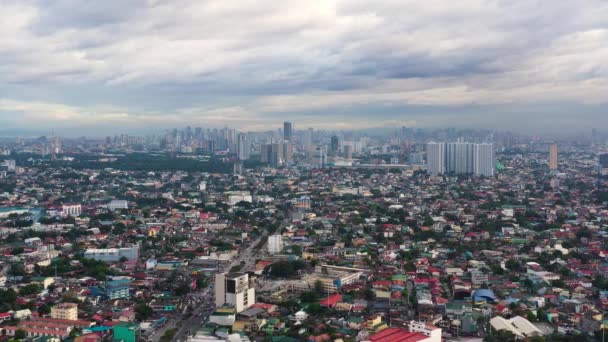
(245, 64)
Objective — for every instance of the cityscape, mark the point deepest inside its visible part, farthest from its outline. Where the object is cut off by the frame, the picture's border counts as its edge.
(317, 171)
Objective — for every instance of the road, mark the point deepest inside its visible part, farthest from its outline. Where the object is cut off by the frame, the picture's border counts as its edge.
(207, 306)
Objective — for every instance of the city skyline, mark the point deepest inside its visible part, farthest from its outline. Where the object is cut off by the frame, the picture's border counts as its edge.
(529, 67)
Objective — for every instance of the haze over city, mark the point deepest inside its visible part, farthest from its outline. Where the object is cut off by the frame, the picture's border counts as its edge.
(98, 67)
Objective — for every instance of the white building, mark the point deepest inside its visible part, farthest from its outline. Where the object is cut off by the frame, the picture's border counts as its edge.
(234, 289)
(519, 326)
(433, 332)
(460, 158)
(484, 160)
(243, 148)
(73, 210)
(234, 197)
(118, 205)
(435, 158)
(275, 244)
(112, 254)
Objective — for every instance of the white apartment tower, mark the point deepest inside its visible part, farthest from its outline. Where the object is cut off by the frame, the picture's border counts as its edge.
(234, 289)
(435, 158)
(275, 244)
(243, 147)
(460, 158)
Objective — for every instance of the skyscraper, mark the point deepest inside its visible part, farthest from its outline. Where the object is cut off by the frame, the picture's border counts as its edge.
(460, 158)
(484, 160)
(334, 145)
(553, 157)
(435, 153)
(287, 131)
(308, 139)
(243, 147)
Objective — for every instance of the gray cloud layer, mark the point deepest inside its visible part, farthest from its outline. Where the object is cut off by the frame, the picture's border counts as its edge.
(332, 63)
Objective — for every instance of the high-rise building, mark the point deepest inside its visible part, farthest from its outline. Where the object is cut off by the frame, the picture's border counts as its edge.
(275, 244)
(435, 158)
(243, 147)
(553, 157)
(308, 138)
(604, 160)
(460, 158)
(334, 145)
(287, 131)
(234, 289)
(348, 152)
(484, 160)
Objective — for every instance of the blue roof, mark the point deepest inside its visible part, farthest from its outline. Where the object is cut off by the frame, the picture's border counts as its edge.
(484, 295)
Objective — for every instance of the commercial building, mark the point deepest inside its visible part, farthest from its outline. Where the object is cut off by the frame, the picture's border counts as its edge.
(553, 157)
(126, 332)
(116, 289)
(275, 244)
(234, 289)
(73, 210)
(287, 131)
(112, 254)
(604, 160)
(331, 278)
(118, 205)
(68, 311)
(243, 148)
(234, 197)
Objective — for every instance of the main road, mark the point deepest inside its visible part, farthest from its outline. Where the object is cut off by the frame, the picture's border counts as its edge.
(200, 313)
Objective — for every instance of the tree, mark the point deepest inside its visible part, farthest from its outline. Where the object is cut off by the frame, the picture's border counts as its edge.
(20, 334)
(44, 310)
(168, 335)
(143, 312)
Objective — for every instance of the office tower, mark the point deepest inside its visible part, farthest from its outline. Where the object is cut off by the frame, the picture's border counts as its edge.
(234, 289)
(287, 131)
(333, 146)
(287, 152)
(484, 160)
(604, 160)
(265, 152)
(308, 139)
(435, 156)
(275, 244)
(274, 154)
(348, 152)
(553, 157)
(243, 147)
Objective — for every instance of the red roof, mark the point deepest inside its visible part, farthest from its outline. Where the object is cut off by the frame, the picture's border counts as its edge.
(331, 301)
(397, 335)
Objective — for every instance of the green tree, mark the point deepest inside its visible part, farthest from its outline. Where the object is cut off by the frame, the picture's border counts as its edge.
(20, 334)
(143, 312)
(44, 310)
(168, 335)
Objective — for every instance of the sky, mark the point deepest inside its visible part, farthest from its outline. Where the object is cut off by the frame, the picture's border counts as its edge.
(101, 67)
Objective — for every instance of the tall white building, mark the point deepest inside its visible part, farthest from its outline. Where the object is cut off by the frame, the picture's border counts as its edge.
(435, 153)
(234, 289)
(243, 147)
(275, 244)
(484, 160)
(460, 158)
